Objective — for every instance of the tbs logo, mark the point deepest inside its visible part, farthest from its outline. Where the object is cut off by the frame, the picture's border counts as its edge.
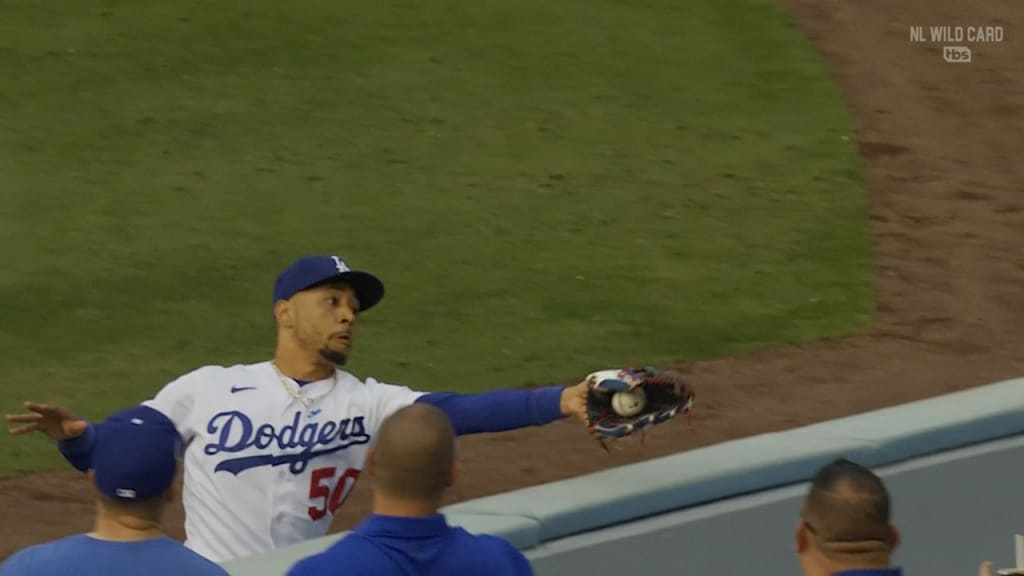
(956, 54)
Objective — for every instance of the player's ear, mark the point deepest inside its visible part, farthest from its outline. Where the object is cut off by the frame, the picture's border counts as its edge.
(894, 537)
(802, 538)
(283, 313)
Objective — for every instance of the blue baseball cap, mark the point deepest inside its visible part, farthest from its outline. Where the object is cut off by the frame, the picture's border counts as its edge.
(136, 453)
(309, 271)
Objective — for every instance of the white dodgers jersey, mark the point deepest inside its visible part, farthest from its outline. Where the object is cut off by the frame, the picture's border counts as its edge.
(263, 470)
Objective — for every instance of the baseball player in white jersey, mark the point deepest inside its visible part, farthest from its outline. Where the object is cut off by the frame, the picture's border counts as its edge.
(275, 447)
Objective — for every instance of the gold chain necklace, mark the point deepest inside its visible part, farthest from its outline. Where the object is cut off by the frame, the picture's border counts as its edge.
(307, 402)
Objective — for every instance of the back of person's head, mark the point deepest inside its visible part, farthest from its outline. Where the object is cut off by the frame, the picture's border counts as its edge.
(846, 520)
(413, 459)
(135, 461)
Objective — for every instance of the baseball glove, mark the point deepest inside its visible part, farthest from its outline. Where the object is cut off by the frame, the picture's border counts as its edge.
(622, 402)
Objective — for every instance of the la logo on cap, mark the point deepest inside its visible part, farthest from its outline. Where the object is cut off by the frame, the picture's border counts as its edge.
(340, 264)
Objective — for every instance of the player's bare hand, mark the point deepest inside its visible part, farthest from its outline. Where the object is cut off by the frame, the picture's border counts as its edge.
(56, 422)
(574, 401)
(985, 569)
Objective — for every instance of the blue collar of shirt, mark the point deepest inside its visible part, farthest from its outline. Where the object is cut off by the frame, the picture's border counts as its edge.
(403, 526)
(871, 572)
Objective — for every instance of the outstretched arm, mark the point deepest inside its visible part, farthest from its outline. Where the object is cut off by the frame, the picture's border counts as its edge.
(74, 435)
(501, 410)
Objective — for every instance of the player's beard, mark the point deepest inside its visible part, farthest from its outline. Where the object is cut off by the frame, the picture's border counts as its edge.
(334, 356)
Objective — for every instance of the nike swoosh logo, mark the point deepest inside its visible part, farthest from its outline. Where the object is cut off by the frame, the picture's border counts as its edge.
(241, 388)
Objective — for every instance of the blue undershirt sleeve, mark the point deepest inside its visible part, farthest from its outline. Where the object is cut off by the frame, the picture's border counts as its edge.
(78, 451)
(498, 410)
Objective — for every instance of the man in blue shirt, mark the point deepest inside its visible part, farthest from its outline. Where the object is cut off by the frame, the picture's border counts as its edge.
(845, 527)
(411, 465)
(135, 461)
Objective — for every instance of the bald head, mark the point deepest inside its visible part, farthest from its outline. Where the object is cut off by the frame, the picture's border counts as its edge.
(414, 454)
(848, 511)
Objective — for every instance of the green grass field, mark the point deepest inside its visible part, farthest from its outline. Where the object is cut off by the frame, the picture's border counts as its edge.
(546, 188)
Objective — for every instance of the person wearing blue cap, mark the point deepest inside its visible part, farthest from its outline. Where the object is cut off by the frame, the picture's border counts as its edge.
(274, 448)
(135, 461)
(411, 466)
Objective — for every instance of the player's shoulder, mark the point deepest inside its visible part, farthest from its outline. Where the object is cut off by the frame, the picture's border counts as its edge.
(385, 395)
(358, 555)
(24, 561)
(237, 369)
(499, 553)
(189, 561)
(178, 398)
(489, 541)
(369, 382)
(222, 373)
(42, 558)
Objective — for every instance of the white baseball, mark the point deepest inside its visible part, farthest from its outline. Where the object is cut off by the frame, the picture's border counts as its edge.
(629, 402)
